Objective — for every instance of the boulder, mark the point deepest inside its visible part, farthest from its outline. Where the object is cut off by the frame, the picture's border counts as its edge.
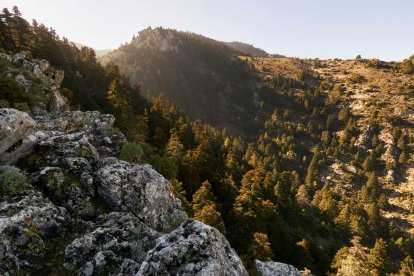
(23, 82)
(19, 58)
(6, 57)
(58, 102)
(27, 223)
(23, 149)
(118, 244)
(275, 269)
(141, 190)
(193, 249)
(44, 65)
(14, 127)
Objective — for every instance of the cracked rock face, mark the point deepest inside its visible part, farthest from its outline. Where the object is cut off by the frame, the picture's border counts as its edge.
(27, 223)
(94, 214)
(275, 269)
(140, 190)
(119, 244)
(14, 126)
(193, 249)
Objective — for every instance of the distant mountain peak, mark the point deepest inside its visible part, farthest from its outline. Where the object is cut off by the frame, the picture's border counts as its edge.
(159, 38)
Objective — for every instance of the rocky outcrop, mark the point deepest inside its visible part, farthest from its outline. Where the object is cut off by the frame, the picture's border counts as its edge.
(275, 269)
(119, 209)
(28, 222)
(140, 190)
(118, 244)
(192, 249)
(29, 73)
(75, 208)
(14, 127)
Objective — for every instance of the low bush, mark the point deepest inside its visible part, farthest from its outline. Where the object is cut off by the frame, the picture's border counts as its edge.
(132, 152)
(12, 180)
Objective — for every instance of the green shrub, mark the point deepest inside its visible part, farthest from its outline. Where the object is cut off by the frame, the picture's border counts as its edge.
(12, 180)
(109, 131)
(10, 90)
(132, 152)
(164, 165)
(21, 106)
(4, 104)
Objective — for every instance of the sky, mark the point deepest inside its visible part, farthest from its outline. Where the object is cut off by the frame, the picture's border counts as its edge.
(298, 28)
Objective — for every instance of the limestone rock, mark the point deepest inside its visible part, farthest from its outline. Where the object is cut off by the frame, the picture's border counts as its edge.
(275, 269)
(192, 249)
(6, 57)
(27, 222)
(19, 58)
(14, 126)
(23, 82)
(140, 190)
(118, 244)
(44, 65)
(24, 149)
(58, 102)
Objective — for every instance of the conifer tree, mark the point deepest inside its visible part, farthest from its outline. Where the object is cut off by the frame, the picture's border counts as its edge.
(406, 267)
(378, 258)
(260, 248)
(205, 207)
(178, 191)
(174, 146)
(370, 192)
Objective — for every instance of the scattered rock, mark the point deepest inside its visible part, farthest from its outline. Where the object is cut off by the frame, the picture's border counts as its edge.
(140, 190)
(14, 126)
(23, 82)
(118, 244)
(192, 249)
(275, 269)
(27, 223)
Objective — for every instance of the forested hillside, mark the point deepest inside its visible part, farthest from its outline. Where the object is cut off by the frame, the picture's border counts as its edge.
(203, 76)
(323, 180)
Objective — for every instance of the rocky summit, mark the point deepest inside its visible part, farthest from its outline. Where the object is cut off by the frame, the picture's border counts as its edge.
(100, 214)
(68, 205)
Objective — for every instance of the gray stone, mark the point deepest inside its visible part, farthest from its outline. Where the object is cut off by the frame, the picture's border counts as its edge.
(120, 242)
(23, 82)
(141, 190)
(27, 222)
(193, 249)
(14, 126)
(58, 102)
(19, 58)
(275, 269)
(44, 65)
(23, 150)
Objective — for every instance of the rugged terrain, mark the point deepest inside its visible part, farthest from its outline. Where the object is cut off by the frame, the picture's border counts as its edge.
(307, 162)
(202, 76)
(377, 97)
(381, 96)
(72, 207)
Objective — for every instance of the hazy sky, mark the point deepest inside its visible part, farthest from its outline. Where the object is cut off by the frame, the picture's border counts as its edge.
(302, 28)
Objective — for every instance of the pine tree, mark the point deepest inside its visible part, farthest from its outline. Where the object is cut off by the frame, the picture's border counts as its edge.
(402, 142)
(311, 175)
(178, 191)
(369, 163)
(407, 267)
(205, 207)
(324, 199)
(174, 146)
(402, 159)
(260, 248)
(370, 192)
(378, 258)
